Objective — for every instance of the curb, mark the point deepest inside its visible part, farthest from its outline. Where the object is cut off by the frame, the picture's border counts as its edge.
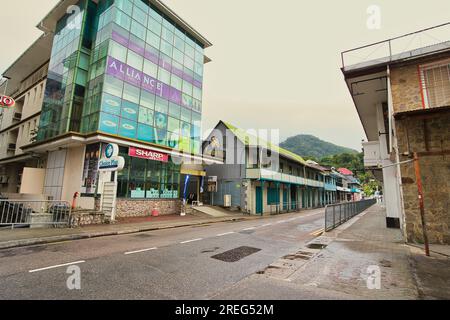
(83, 236)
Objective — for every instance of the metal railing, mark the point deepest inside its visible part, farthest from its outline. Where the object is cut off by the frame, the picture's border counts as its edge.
(29, 213)
(338, 214)
(427, 40)
(285, 207)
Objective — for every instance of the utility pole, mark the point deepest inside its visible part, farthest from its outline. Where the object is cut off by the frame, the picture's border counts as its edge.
(421, 203)
(417, 172)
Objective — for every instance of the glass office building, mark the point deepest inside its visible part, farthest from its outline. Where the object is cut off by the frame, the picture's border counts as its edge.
(129, 70)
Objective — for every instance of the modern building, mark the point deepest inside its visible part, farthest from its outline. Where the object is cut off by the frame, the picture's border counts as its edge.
(258, 177)
(124, 72)
(403, 99)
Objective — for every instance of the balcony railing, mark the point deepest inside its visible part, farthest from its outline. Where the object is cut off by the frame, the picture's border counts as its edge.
(263, 174)
(426, 41)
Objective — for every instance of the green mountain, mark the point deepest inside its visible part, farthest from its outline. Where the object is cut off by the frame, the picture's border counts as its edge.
(309, 146)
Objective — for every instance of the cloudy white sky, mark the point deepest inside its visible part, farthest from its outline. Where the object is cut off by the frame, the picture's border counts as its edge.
(276, 64)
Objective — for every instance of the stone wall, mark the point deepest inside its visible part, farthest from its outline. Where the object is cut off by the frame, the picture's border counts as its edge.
(142, 208)
(406, 89)
(432, 133)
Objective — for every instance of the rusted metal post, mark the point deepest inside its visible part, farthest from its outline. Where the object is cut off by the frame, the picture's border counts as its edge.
(421, 202)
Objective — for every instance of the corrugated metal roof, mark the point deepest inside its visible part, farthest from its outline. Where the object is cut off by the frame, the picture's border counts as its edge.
(246, 138)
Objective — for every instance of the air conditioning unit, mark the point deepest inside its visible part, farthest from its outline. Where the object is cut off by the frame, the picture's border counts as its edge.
(17, 116)
(227, 201)
(12, 146)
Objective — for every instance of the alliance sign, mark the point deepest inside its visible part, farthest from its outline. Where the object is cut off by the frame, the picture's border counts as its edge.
(6, 102)
(111, 161)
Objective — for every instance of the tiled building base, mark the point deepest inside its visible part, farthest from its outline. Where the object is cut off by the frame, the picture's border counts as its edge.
(142, 208)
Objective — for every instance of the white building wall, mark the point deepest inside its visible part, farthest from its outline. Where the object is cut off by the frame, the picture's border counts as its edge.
(390, 179)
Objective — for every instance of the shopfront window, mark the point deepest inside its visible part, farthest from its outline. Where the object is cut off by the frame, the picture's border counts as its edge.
(148, 179)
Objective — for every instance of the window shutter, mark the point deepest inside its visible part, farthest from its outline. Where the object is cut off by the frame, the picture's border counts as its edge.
(436, 85)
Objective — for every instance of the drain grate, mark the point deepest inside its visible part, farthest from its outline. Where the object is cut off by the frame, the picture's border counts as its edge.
(317, 246)
(236, 255)
(143, 235)
(297, 256)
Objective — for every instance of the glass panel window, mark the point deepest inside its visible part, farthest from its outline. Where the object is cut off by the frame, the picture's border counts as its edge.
(147, 99)
(187, 88)
(154, 25)
(168, 25)
(189, 51)
(174, 125)
(155, 15)
(179, 43)
(135, 60)
(146, 133)
(197, 93)
(166, 48)
(146, 116)
(189, 63)
(178, 55)
(117, 51)
(153, 40)
(164, 75)
(176, 82)
(124, 5)
(122, 20)
(162, 105)
(161, 122)
(138, 30)
(129, 110)
(140, 16)
(150, 68)
(111, 104)
(167, 35)
(113, 86)
(186, 115)
(175, 110)
(131, 93)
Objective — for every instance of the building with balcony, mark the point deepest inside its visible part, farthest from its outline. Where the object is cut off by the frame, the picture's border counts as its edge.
(260, 177)
(403, 99)
(126, 72)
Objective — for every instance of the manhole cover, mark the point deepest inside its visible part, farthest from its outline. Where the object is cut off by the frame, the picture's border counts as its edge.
(236, 254)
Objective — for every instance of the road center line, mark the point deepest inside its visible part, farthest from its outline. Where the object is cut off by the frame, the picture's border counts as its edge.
(189, 241)
(248, 229)
(225, 234)
(266, 225)
(140, 251)
(57, 266)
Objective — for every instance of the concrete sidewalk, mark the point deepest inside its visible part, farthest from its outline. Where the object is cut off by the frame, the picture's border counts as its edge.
(341, 269)
(27, 237)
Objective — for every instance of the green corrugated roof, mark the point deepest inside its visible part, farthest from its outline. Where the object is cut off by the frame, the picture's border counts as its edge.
(245, 138)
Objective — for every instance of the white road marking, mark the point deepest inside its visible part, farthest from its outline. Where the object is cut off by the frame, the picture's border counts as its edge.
(140, 251)
(225, 234)
(57, 266)
(248, 229)
(189, 241)
(266, 225)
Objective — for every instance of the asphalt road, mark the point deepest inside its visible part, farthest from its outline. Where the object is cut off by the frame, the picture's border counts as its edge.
(165, 264)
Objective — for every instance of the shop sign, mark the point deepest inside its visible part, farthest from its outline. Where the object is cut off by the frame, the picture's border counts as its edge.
(111, 161)
(148, 154)
(6, 102)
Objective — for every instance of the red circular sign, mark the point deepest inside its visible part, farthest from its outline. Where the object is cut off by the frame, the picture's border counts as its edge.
(6, 102)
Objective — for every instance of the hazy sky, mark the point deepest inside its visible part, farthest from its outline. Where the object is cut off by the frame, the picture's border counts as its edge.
(276, 64)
